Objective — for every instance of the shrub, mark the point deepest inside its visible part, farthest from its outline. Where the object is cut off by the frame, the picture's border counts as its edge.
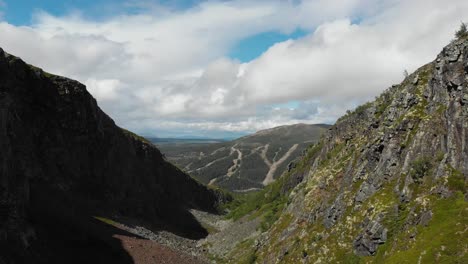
(420, 167)
(462, 32)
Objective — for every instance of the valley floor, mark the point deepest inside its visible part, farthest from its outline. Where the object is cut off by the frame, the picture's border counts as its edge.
(145, 251)
(165, 247)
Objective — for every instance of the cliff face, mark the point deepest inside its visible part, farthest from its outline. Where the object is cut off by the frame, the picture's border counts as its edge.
(63, 161)
(388, 182)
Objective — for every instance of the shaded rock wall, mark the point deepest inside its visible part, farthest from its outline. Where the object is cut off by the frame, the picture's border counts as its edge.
(62, 157)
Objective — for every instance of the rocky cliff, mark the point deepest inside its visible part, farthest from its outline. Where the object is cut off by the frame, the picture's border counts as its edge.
(63, 161)
(387, 183)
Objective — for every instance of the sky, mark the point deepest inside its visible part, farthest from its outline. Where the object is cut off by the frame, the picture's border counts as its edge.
(221, 69)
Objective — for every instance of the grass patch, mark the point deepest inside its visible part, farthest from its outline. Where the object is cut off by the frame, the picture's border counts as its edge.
(358, 111)
(264, 202)
(456, 180)
(383, 104)
(244, 253)
(444, 240)
(106, 220)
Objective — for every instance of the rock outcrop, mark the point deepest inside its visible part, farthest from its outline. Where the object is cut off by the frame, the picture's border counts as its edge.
(367, 242)
(388, 182)
(64, 161)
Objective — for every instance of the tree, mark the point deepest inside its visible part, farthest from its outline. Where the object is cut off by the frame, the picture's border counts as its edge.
(462, 32)
(405, 73)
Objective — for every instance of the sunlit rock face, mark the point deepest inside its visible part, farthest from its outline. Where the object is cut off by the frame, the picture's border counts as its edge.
(387, 178)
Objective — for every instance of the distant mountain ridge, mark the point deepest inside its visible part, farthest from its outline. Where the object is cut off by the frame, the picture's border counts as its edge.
(183, 140)
(249, 162)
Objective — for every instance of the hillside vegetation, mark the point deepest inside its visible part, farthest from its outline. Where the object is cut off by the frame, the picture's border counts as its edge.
(386, 184)
(247, 163)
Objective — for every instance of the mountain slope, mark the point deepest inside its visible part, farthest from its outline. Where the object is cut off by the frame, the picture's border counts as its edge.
(63, 161)
(247, 163)
(386, 184)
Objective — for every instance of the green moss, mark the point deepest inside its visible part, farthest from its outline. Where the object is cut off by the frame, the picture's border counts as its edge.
(362, 108)
(251, 202)
(395, 222)
(441, 241)
(311, 152)
(250, 259)
(420, 109)
(351, 258)
(46, 74)
(106, 220)
(277, 245)
(271, 213)
(244, 253)
(216, 259)
(135, 136)
(382, 105)
(358, 111)
(441, 109)
(456, 180)
(440, 156)
(462, 32)
(282, 224)
(332, 155)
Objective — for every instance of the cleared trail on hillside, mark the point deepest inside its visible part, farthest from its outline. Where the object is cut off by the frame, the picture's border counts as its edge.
(236, 161)
(274, 165)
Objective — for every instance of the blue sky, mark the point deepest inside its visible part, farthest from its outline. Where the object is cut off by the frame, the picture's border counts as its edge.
(250, 48)
(22, 12)
(19, 12)
(219, 68)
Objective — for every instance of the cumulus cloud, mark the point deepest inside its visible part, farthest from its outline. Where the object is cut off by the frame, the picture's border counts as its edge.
(165, 70)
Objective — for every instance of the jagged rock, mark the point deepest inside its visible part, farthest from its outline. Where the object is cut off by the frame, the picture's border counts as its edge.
(442, 191)
(291, 166)
(364, 192)
(452, 53)
(383, 161)
(425, 217)
(367, 242)
(334, 212)
(292, 181)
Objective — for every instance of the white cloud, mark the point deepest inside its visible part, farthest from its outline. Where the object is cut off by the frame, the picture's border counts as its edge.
(105, 90)
(166, 70)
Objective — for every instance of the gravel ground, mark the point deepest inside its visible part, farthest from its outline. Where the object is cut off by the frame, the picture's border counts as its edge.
(163, 246)
(170, 240)
(229, 233)
(149, 252)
